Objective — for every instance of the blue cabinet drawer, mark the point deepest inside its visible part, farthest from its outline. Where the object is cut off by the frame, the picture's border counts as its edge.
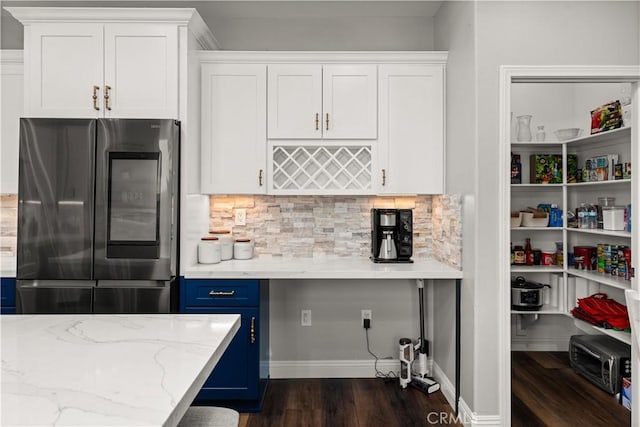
(7, 292)
(221, 293)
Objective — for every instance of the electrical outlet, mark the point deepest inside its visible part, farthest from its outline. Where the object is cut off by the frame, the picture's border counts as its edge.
(305, 318)
(365, 314)
(241, 217)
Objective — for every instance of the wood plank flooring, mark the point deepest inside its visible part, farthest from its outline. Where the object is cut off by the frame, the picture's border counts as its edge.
(545, 391)
(366, 402)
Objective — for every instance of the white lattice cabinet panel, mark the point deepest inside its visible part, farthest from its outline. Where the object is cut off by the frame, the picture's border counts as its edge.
(320, 169)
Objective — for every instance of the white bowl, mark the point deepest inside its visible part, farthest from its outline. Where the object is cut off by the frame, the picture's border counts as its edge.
(568, 133)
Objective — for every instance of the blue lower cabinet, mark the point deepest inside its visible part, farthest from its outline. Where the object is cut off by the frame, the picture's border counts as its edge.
(7, 295)
(240, 378)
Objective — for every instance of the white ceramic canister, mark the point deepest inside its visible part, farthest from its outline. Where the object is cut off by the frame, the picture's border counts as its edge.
(243, 249)
(209, 250)
(226, 243)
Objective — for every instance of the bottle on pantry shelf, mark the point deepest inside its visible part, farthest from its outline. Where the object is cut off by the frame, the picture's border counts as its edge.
(518, 256)
(540, 133)
(528, 252)
(512, 252)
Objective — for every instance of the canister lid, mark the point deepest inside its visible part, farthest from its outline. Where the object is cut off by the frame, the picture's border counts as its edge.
(613, 208)
(213, 238)
(243, 240)
(220, 232)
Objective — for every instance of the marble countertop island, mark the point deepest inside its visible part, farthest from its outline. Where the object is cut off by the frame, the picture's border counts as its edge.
(107, 370)
(322, 268)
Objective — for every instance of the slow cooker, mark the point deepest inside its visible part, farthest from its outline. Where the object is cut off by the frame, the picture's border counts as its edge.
(526, 296)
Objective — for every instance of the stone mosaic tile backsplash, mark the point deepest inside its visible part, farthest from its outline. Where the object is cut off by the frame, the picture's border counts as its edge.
(312, 226)
(316, 226)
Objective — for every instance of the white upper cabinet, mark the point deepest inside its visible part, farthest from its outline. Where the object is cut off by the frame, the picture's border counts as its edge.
(411, 139)
(349, 101)
(83, 62)
(312, 101)
(234, 138)
(11, 75)
(141, 70)
(295, 101)
(63, 63)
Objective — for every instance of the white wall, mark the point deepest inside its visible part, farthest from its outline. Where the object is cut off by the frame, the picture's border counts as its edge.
(505, 33)
(527, 33)
(455, 31)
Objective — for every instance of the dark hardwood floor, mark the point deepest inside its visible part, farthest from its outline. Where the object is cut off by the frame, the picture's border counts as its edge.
(545, 391)
(365, 402)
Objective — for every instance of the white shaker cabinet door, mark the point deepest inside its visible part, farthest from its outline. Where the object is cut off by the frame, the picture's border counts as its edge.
(295, 101)
(63, 65)
(11, 95)
(411, 138)
(350, 101)
(141, 71)
(234, 140)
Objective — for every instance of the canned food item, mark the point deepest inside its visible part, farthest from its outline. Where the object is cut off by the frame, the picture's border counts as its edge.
(547, 258)
(614, 260)
(600, 258)
(607, 259)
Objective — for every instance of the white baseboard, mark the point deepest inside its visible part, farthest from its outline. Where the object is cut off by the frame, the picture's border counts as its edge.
(547, 344)
(330, 368)
(465, 415)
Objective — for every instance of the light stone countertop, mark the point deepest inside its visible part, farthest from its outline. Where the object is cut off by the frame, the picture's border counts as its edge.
(321, 268)
(107, 370)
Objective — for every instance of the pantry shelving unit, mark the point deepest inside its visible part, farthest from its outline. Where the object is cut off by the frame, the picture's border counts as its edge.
(567, 282)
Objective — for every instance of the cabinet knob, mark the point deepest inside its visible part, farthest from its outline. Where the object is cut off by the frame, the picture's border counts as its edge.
(95, 97)
(107, 88)
(317, 121)
(222, 293)
(260, 178)
(384, 176)
(252, 331)
(327, 121)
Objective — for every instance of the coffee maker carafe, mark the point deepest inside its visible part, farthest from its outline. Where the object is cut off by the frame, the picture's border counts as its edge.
(391, 235)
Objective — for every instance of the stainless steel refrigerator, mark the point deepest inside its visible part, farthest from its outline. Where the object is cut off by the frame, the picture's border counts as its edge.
(97, 215)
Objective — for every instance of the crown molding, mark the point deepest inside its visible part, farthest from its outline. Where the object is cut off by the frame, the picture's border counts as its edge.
(324, 57)
(11, 56)
(29, 15)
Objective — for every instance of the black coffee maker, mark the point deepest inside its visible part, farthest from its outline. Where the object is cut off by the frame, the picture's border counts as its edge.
(391, 235)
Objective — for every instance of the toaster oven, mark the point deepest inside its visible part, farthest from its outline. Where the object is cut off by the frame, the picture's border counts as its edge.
(601, 359)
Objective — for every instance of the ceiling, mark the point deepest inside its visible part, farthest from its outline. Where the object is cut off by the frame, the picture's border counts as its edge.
(287, 25)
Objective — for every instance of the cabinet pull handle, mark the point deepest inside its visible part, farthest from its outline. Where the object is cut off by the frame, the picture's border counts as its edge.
(317, 121)
(252, 332)
(327, 120)
(222, 293)
(384, 176)
(107, 88)
(260, 178)
(95, 97)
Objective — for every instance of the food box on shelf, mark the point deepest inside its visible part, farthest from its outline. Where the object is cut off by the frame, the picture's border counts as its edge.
(625, 393)
(547, 168)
